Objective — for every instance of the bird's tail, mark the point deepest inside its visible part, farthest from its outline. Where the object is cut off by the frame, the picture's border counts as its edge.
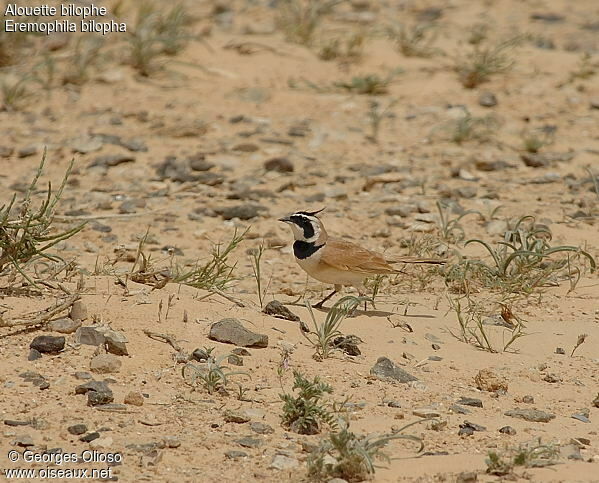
(430, 261)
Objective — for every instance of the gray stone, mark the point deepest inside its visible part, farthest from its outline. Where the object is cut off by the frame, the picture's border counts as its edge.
(105, 363)
(34, 355)
(385, 368)
(261, 428)
(277, 309)
(89, 336)
(98, 386)
(231, 331)
(507, 430)
(426, 413)
(78, 311)
(246, 211)
(87, 144)
(282, 462)
(280, 164)
(23, 440)
(581, 417)
(248, 442)
(533, 415)
(111, 160)
(115, 342)
(27, 151)
(89, 437)
(77, 429)
(64, 326)
(470, 401)
(48, 344)
(235, 454)
(487, 99)
(237, 417)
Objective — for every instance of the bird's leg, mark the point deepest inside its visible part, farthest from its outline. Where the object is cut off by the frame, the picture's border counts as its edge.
(319, 304)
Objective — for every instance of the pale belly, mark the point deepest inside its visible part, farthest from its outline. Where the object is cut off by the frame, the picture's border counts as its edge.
(328, 274)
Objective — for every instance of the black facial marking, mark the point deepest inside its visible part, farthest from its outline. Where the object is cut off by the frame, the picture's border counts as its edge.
(303, 250)
(304, 223)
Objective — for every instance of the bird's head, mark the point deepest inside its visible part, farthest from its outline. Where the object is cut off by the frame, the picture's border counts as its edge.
(306, 226)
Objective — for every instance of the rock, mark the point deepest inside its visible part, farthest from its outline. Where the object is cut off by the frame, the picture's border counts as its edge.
(6, 151)
(198, 163)
(465, 431)
(248, 442)
(89, 437)
(282, 462)
(210, 179)
(467, 477)
(95, 398)
(261, 428)
(470, 401)
(507, 430)
(64, 326)
(48, 344)
(553, 378)
(581, 417)
(533, 415)
(487, 99)
(541, 160)
(86, 144)
(175, 170)
(89, 336)
(115, 342)
(34, 355)
(528, 399)
(246, 147)
(459, 409)
(235, 454)
(596, 401)
(171, 441)
(13, 422)
(105, 363)
(347, 344)
(387, 369)
(27, 151)
(238, 417)
(235, 360)
(134, 398)
(240, 351)
(277, 309)
(77, 429)
(111, 160)
(23, 440)
(200, 355)
(98, 386)
(281, 165)
(426, 413)
(487, 380)
(246, 211)
(560, 351)
(231, 331)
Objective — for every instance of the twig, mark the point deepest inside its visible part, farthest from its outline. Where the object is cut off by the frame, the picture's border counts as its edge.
(43, 316)
(230, 298)
(166, 338)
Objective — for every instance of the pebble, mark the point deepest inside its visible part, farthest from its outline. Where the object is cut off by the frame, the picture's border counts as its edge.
(89, 336)
(34, 355)
(246, 211)
(533, 415)
(23, 440)
(48, 344)
(507, 430)
(470, 401)
(487, 99)
(105, 364)
(111, 160)
(89, 437)
(385, 368)
(239, 417)
(282, 462)
(487, 380)
(231, 331)
(426, 413)
(261, 428)
(248, 442)
(77, 429)
(278, 310)
(280, 165)
(64, 326)
(235, 454)
(134, 398)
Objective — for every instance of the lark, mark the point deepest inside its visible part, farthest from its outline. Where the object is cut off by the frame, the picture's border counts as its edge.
(335, 261)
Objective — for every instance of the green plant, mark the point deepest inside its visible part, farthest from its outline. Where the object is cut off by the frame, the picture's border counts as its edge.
(157, 34)
(469, 127)
(585, 70)
(473, 329)
(520, 260)
(14, 92)
(415, 41)
(305, 412)
(352, 457)
(211, 375)
(532, 454)
(376, 114)
(299, 19)
(28, 234)
(321, 338)
(217, 272)
(478, 65)
(255, 260)
(370, 84)
(85, 55)
(534, 140)
(450, 229)
(343, 49)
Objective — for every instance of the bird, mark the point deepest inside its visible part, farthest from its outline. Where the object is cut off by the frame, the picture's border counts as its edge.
(336, 261)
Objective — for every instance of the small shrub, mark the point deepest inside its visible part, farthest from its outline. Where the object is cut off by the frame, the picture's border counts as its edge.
(528, 455)
(210, 375)
(305, 413)
(299, 19)
(415, 41)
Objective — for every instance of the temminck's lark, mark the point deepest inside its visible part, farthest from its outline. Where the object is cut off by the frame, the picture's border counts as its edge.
(335, 261)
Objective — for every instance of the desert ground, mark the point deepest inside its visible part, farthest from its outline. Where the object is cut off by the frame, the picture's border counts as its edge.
(418, 126)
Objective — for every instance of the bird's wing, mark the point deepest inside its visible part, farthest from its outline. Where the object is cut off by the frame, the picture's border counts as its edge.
(350, 257)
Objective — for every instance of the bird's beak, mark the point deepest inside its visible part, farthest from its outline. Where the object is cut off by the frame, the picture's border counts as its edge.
(285, 219)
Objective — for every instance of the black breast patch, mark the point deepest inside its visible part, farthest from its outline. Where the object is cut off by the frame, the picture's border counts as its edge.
(303, 250)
